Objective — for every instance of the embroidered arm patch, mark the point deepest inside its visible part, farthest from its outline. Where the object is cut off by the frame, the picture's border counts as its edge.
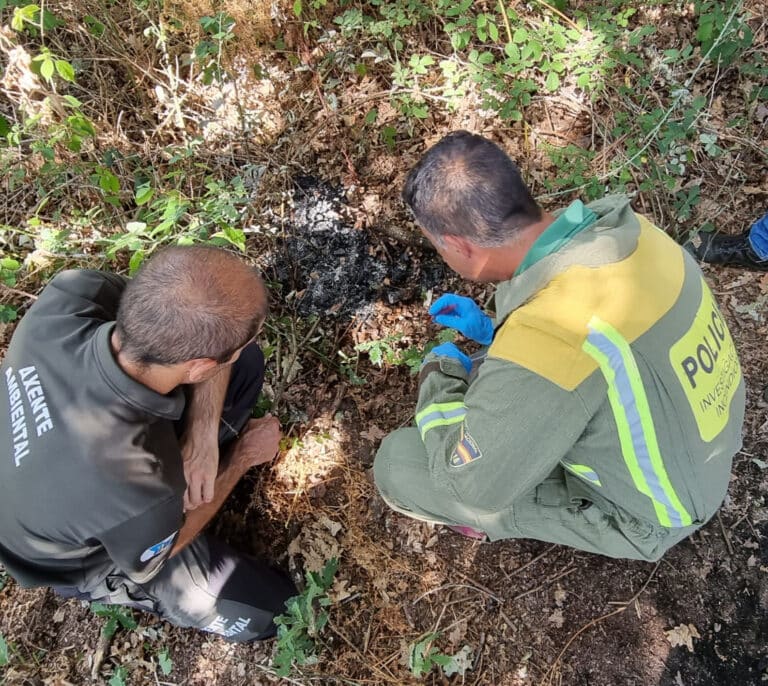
(466, 450)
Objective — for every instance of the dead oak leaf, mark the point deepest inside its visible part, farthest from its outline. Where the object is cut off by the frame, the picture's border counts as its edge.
(373, 434)
(682, 635)
(557, 618)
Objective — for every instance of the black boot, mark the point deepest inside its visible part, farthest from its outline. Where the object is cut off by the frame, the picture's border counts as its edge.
(730, 251)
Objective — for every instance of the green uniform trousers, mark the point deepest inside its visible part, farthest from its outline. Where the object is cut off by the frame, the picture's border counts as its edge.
(547, 513)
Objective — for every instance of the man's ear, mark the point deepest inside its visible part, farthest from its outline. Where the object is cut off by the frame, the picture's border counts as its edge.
(461, 245)
(199, 369)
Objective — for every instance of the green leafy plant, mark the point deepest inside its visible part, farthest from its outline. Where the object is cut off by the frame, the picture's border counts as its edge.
(164, 661)
(32, 19)
(208, 52)
(5, 651)
(686, 201)
(47, 65)
(306, 616)
(8, 270)
(382, 351)
(8, 313)
(722, 32)
(118, 677)
(423, 656)
(9, 267)
(389, 351)
(348, 368)
(117, 616)
(172, 216)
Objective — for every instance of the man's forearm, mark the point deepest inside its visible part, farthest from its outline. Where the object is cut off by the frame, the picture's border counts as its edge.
(200, 441)
(196, 520)
(206, 404)
(258, 444)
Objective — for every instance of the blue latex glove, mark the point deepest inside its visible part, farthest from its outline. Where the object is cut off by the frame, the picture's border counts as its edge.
(450, 350)
(464, 315)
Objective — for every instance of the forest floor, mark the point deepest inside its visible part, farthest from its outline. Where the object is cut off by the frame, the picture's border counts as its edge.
(351, 278)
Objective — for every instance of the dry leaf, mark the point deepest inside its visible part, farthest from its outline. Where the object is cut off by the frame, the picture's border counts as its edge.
(328, 523)
(373, 433)
(458, 633)
(341, 590)
(315, 544)
(557, 618)
(560, 596)
(764, 283)
(682, 635)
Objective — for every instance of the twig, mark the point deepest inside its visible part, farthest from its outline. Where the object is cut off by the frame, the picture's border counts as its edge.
(289, 680)
(725, 535)
(451, 586)
(567, 20)
(387, 677)
(294, 356)
(16, 291)
(545, 583)
(506, 20)
(105, 640)
(478, 585)
(547, 681)
(516, 571)
(738, 521)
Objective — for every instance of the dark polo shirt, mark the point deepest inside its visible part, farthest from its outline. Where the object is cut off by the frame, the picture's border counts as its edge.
(91, 477)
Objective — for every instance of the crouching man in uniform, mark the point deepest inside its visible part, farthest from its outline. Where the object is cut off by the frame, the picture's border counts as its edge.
(119, 397)
(610, 403)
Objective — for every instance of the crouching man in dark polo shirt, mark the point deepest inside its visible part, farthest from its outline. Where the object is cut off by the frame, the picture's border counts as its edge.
(118, 398)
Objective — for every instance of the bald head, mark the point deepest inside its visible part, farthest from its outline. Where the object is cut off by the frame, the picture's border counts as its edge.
(188, 303)
(465, 185)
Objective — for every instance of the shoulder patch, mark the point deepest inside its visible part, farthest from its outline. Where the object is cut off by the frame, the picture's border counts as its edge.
(466, 450)
(155, 550)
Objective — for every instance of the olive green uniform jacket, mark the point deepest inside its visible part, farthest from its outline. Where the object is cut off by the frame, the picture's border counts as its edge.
(607, 411)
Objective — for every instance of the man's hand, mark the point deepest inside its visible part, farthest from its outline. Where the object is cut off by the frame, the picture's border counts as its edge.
(258, 442)
(200, 454)
(464, 315)
(450, 350)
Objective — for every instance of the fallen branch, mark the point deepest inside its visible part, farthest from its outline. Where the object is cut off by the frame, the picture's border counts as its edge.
(16, 291)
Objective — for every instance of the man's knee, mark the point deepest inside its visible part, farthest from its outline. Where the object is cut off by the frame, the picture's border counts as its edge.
(242, 393)
(248, 371)
(386, 455)
(211, 587)
(390, 466)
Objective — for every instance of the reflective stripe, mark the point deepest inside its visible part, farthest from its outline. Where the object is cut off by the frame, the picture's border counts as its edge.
(586, 472)
(632, 413)
(440, 414)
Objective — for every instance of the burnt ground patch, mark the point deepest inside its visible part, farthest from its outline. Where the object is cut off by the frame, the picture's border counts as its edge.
(327, 266)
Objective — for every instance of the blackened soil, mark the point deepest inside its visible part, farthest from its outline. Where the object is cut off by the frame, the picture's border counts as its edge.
(332, 268)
